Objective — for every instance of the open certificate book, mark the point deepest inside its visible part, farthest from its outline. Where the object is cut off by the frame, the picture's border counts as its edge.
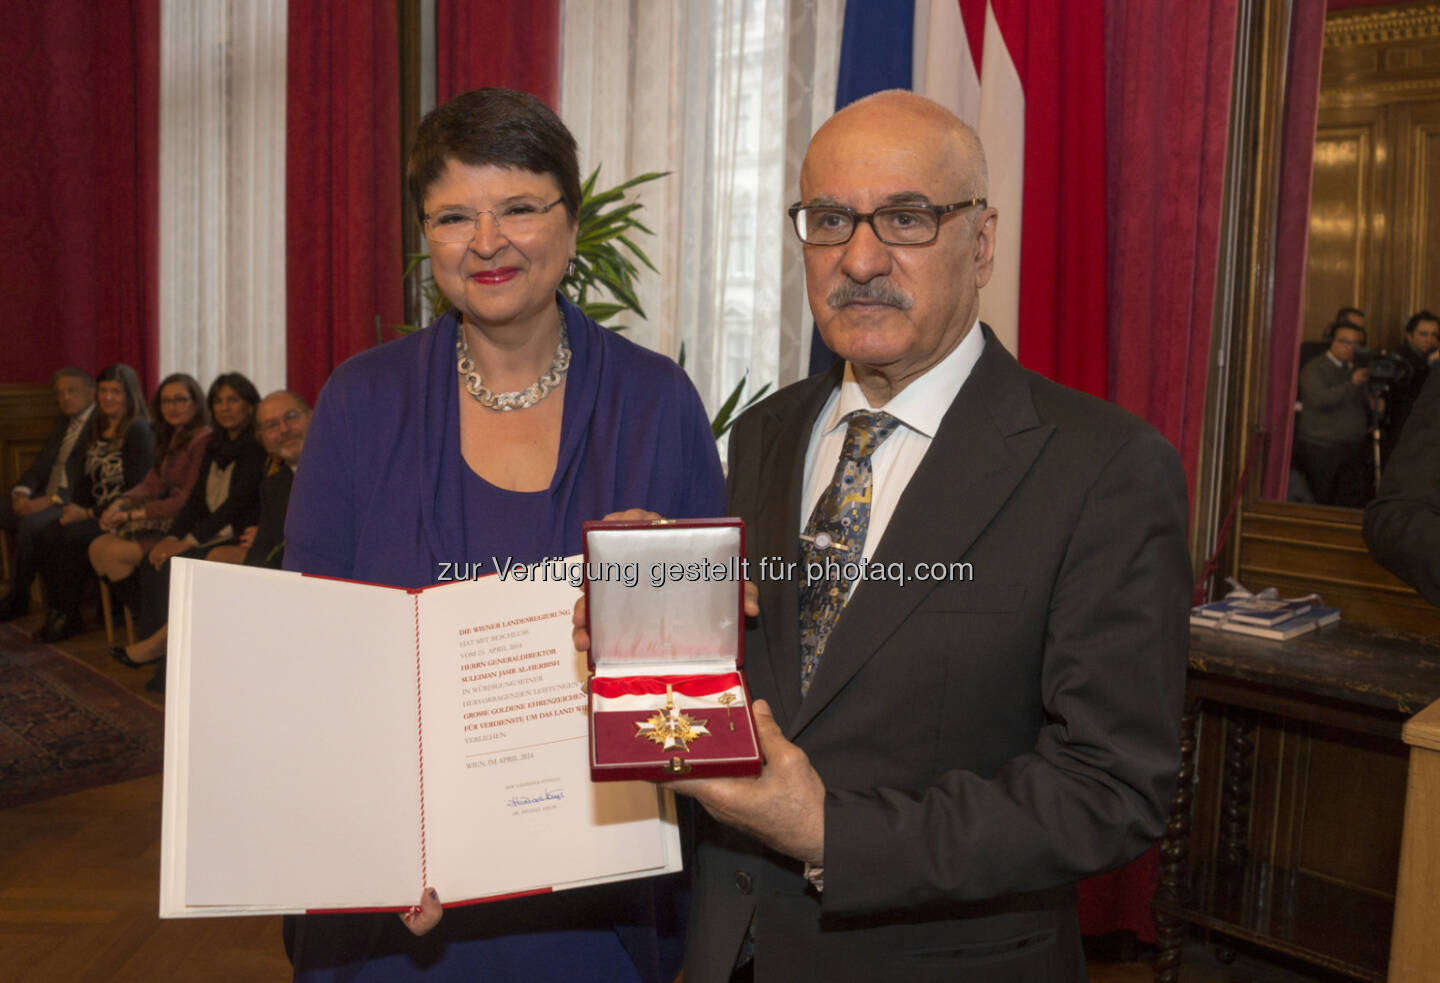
(340, 745)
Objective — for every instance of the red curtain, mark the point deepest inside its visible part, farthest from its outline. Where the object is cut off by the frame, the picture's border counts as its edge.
(1168, 94)
(498, 42)
(343, 251)
(1292, 235)
(79, 158)
(1057, 50)
(1168, 100)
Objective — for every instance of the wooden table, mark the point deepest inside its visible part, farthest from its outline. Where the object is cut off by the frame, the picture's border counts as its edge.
(1285, 827)
(1415, 948)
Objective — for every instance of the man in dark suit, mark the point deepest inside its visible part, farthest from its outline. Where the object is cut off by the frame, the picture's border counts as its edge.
(281, 420)
(997, 717)
(1402, 524)
(1420, 351)
(38, 497)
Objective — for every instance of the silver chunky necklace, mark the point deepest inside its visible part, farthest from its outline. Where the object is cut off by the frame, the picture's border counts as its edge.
(520, 399)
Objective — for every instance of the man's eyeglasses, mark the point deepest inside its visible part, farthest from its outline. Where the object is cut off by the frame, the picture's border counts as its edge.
(514, 221)
(270, 426)
(895, 225)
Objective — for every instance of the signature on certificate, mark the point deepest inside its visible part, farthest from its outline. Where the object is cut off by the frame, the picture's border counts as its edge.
(549, 795)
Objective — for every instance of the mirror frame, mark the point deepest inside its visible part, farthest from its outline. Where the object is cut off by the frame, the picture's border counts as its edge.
(1296, 548)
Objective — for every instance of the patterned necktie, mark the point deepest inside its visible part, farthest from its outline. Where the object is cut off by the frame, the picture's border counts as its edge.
(834, 536)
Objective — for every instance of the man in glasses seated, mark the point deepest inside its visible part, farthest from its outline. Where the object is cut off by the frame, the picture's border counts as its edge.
(973, 664)
(281, 420)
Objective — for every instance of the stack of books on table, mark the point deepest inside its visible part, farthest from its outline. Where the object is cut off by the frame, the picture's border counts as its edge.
(1264, 617)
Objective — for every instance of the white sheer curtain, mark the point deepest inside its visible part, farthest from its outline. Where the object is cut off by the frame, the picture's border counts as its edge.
(724, 94)
(222, 189)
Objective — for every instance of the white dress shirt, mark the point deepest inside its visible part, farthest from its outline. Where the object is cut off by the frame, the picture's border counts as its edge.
(919, 407)
(59, 475)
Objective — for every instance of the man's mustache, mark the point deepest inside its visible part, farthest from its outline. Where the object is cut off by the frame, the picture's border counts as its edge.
(877, 291)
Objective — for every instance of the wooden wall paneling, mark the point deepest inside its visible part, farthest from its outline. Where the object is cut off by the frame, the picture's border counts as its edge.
(1205, 805)
(1375, 218)
(1423, 261)
(1299, 549)
(1415, 946)
(27, 412)
(1289, 799)
(1347, 186)
(1352, 808)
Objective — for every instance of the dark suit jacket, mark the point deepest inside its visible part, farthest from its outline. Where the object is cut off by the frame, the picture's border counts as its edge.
(1402, 524)
(38, 474)
(270, 536)
(985, 743)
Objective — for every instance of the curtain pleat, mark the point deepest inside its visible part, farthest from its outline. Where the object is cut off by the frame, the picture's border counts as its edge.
(342, 197)
(78, 170)
(498, 43)
(1292, 236)
(1168, 102)
(1058, 50)
(1168, 98)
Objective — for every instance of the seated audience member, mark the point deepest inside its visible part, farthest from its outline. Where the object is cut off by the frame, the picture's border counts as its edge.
(223, 501)
(281, 421)
(37, 497)
(119, 453)
(1402, 524)
(136, 520)
(1334, 420)
(1420, 351)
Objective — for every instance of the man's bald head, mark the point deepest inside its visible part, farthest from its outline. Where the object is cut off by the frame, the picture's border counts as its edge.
(896, 108)
(895, 310)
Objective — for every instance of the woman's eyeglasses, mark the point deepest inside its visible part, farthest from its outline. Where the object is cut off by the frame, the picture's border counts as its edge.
(515, 221)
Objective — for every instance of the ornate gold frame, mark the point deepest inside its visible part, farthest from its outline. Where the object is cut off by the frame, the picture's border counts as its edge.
(1297, 548)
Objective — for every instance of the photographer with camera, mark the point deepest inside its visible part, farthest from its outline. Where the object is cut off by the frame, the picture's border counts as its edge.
(1419, 352)
(1331, 436)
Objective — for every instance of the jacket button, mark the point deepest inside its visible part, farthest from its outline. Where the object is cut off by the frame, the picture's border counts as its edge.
(743, 882)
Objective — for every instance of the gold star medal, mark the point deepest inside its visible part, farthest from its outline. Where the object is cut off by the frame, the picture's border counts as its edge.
(669, 727)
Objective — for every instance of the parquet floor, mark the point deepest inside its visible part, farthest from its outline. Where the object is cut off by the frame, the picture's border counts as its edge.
(78, 879)
(78, 893)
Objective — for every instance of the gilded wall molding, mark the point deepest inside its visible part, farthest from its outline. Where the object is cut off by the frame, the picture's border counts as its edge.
(1365, 93)
(1379, 27)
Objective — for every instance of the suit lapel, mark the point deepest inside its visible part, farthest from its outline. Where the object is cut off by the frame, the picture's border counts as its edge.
(987, 441)
(785, 437)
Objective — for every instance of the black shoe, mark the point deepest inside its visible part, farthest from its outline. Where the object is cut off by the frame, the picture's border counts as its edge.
(117, 652)
(59, 625)
(157, 681)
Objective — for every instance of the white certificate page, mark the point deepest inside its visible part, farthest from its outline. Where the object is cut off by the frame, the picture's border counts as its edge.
(509, 804)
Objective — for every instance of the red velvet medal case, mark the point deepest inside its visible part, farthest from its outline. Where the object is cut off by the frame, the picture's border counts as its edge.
(665, 608)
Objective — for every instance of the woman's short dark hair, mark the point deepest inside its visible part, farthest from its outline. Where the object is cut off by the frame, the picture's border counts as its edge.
(499, 127)
(165, 434)
(243, 387)
(134, 398)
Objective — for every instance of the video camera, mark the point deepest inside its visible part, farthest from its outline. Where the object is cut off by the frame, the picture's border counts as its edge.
(1386, 368)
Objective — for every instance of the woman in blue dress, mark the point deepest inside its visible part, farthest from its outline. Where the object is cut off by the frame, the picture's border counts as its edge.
(491, 436)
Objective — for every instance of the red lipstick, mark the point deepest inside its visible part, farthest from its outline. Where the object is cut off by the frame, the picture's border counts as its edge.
(493, 277)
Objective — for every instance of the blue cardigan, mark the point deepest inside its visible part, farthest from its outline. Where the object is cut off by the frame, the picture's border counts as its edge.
(383, 494)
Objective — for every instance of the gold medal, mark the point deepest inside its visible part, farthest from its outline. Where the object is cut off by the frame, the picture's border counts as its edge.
(669, 727)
